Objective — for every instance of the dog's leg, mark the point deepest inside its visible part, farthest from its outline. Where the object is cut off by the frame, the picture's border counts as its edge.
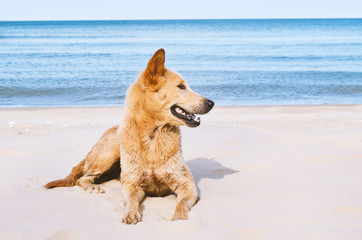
(132, 195)
(186, 198)
(102, 159)
(184, 187)
(103, 156)
(87, 183)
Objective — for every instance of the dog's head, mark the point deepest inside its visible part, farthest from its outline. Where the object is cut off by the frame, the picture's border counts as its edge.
(168, 96)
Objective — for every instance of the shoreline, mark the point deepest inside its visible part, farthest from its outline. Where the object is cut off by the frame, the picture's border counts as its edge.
(217, 106)
(25, 120)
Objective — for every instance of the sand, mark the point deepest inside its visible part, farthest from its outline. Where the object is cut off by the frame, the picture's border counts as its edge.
(281, 172)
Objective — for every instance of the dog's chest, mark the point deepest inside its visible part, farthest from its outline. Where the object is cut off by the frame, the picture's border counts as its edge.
(152, 176)
(160, 147)
(155, 183)
(151, 160)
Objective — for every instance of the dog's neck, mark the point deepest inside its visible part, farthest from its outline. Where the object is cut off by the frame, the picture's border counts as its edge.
(147, 128)
(156, 143)
(151, 130)
(154, 132)
(163, 128)
(145, 122)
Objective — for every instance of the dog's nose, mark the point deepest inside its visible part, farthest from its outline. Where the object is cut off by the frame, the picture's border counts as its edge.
(209, 103)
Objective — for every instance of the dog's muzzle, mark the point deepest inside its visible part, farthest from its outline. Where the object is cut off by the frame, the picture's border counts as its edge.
(191, 119)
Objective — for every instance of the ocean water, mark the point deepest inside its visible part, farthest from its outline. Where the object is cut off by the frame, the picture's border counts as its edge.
(233, 62)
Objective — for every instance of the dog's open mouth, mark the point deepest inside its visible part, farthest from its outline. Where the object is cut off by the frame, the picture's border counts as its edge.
(191, 119)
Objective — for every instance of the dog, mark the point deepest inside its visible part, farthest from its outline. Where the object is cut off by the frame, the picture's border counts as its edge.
(147, 146)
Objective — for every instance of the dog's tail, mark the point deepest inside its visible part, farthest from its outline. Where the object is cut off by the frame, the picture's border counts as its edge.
(71, 180)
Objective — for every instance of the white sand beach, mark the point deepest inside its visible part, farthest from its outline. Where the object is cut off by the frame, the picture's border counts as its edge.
(279, 172)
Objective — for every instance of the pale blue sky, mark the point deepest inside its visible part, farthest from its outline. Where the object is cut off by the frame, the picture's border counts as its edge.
(181, 9)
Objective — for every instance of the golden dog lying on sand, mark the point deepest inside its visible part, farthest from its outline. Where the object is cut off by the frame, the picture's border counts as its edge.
(148, 143)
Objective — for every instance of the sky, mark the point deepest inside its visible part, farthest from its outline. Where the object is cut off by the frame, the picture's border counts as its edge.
(181, 9)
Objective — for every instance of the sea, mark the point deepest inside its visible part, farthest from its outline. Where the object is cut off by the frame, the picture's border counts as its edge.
(233, 62)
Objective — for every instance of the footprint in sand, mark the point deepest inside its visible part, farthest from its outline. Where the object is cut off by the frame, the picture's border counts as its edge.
(67, 234)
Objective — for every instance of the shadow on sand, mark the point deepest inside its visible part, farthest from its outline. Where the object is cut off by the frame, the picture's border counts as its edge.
(207, 168)
(200, 168)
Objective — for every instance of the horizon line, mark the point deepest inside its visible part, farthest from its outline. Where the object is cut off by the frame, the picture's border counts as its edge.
(183, 19)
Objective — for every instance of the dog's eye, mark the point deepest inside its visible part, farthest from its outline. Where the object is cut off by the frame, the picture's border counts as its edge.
(181, 86)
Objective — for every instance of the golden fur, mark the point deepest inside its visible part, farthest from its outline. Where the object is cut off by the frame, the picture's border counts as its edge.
(148, 143)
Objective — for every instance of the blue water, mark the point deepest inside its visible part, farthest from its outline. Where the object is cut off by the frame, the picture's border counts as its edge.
(233, 62)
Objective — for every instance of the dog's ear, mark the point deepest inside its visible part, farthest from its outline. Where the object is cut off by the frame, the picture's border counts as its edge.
(155, 67)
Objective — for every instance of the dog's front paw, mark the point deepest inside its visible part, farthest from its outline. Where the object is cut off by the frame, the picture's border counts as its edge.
(94, 189)
(180, 215)
(131, 217)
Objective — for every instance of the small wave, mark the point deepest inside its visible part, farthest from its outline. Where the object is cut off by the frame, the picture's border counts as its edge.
(65, 55)
(280, 58)
(27, 37)
(61, 96)
(8, 92)
(341, 90)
